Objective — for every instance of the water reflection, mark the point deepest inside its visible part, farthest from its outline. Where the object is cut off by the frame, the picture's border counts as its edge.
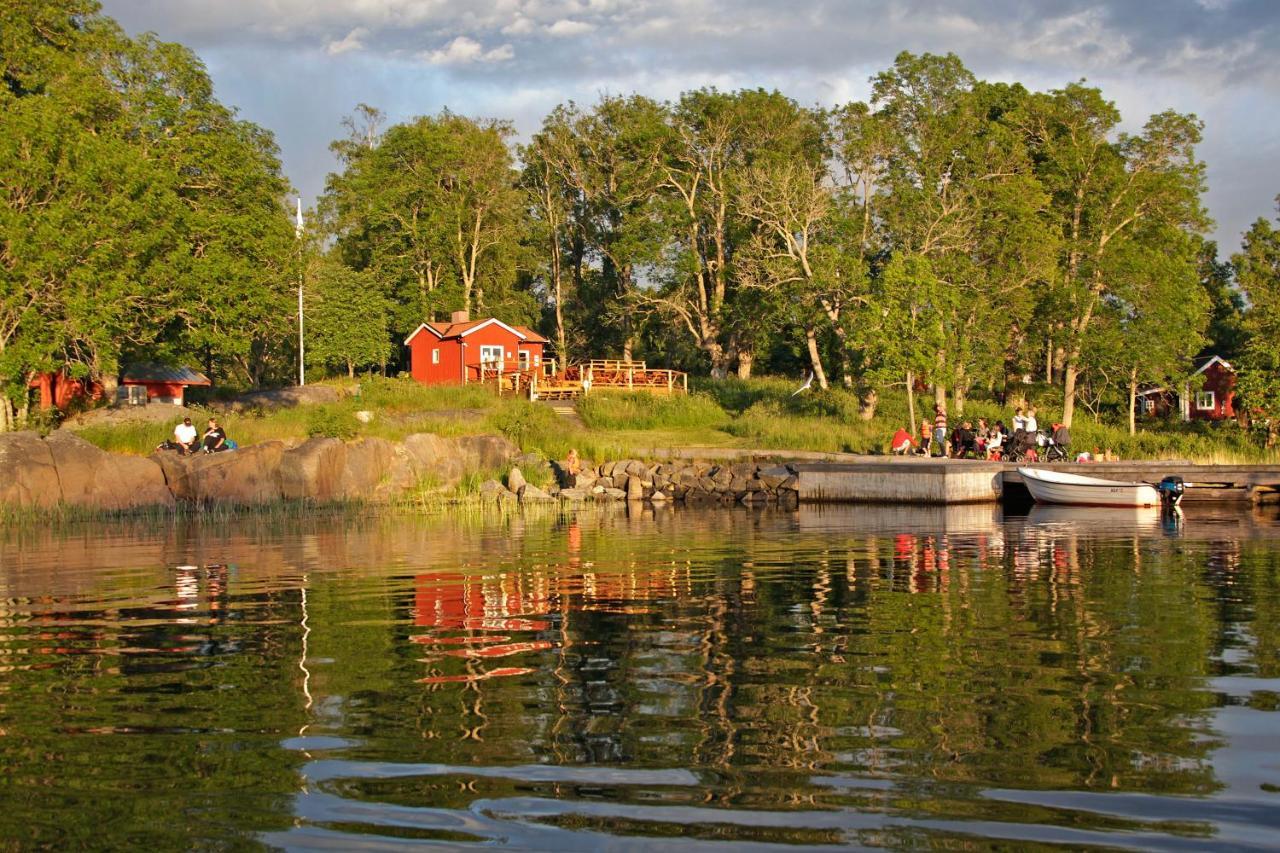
(873, 676)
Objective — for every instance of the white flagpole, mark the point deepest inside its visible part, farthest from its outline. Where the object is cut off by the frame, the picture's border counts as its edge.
(302, 351)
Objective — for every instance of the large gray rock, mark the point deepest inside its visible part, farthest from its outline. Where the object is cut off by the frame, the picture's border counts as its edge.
(250, 475)
(314, 470)
(433, 459)
(635, 488)
(284, 398)
(530, 493)
(515, 480)
(367, 465)
(487, 452)
(90, 477)
(28, 477)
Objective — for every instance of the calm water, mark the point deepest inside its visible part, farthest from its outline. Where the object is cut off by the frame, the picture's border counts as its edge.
(725, 680)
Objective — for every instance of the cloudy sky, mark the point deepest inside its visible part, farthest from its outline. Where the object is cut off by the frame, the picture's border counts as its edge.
(299, 66)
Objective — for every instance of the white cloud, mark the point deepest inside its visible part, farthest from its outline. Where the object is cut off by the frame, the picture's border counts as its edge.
(567, 27)
(464, 51)
(353, 40)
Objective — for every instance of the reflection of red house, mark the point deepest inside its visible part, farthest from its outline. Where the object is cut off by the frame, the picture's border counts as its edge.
(164, 383)
(59, 390)
(1208, 396)
(463, 350)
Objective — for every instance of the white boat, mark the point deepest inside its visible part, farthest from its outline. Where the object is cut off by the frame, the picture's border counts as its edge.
(1059, 487)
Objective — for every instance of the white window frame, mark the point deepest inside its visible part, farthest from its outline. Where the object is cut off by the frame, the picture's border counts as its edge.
(526, 358)
(1202, 397)
(491, 357)
(1148, 405)
(435, 355)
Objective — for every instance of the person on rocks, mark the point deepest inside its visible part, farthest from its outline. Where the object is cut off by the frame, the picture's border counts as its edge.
(572, 464)
(215, 438)
(185, 438)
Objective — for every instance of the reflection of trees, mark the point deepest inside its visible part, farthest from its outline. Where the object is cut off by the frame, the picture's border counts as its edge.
(739, 644)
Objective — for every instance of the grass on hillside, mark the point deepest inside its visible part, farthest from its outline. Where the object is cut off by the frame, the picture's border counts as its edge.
(760, 413)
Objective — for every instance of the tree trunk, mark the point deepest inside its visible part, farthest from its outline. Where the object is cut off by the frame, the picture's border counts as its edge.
(815, 358)
(1048, 362)
(867, 405)
(940, 396)
(1069, 374)
(6, 412)
(911, 400)
(1133, 401)
(351, 369)
(746, 360)
(958, 397)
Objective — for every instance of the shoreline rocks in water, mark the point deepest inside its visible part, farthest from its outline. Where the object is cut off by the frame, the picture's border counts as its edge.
(64, 469)
(690, 483)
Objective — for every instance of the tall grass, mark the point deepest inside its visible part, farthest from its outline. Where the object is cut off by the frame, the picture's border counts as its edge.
(761, 413)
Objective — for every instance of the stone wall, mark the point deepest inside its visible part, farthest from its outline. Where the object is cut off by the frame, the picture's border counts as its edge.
(690, 482)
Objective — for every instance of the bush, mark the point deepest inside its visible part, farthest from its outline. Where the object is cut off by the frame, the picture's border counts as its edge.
(332, 423)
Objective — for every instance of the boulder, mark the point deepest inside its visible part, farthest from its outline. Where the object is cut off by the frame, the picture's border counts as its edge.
(91, 477)
(635, 488)
(659, 497)
(615, 494)
(636, 468)
(493, 490)
(532, 494)
(314, 470)
(487, 452)
(28, 477)
(284, 398)
(430, 457)
(573, 495)
(247, 476)
(515, 480)
(368, 462)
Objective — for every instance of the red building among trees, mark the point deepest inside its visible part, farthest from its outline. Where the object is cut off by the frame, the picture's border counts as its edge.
(464, 350)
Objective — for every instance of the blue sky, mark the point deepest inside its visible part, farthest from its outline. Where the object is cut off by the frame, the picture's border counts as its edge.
(298, 66)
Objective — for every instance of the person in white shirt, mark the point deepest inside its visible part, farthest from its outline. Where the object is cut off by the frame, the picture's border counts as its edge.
(1019, 420)
(185, 435)
(1031, 425)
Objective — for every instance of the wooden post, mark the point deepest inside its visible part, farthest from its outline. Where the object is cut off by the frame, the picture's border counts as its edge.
(670, 378)
(631, 378)
(686, 382)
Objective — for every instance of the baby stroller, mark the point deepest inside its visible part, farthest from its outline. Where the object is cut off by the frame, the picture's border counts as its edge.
(1057, 444)
(1021, 447)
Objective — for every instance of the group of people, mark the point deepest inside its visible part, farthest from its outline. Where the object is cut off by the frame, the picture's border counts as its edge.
(985, 441)
(187, 440)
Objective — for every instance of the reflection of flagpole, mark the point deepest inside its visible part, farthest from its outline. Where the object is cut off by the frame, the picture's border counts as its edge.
(302, 351)
(302, 661)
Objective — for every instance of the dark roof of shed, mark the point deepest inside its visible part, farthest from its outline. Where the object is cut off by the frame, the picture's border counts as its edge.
(173, 374)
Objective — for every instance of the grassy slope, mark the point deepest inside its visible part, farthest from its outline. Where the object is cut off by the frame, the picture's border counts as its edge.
(760, 413)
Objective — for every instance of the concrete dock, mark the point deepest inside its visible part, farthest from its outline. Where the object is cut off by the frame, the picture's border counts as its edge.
(959, 481)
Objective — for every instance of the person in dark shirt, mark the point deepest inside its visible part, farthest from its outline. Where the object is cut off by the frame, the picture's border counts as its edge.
(215, 438)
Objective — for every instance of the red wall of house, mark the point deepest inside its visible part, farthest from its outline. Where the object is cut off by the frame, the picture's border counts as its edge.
(447, 372)
(1222, 383)
(454, 351)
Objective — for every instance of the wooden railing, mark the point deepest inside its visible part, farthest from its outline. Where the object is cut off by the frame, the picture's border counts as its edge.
(611, 374)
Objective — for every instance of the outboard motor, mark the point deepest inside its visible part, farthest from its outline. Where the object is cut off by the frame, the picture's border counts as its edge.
(1171, 489)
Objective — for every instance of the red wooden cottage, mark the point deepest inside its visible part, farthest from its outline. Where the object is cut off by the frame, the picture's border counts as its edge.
(164, 383)
(1213, 397)
(464, 350)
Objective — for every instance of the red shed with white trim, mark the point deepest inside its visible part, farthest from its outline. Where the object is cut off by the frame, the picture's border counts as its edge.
(464, 350)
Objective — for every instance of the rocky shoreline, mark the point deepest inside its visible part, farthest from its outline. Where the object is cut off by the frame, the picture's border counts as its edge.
(63, 469)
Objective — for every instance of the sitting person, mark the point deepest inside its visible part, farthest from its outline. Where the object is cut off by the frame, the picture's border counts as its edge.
(901, 443)
(964, 440)
(184, 438)
(995, 442)
(215, 438)
(572, 464)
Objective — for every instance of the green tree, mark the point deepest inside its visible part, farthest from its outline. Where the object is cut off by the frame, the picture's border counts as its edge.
(1106, 187)
(1257, 267)
(348, 318)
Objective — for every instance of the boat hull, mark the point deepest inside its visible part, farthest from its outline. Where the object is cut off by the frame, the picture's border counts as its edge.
(1050, 487)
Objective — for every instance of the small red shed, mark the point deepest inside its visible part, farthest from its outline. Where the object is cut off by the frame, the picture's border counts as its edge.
(164, 383)
(1214, 399)
(464, 350)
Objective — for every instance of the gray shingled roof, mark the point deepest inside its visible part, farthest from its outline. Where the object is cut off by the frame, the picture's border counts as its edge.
(144, 372)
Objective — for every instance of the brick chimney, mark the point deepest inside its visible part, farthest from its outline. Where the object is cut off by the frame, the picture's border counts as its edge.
(460, 317)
